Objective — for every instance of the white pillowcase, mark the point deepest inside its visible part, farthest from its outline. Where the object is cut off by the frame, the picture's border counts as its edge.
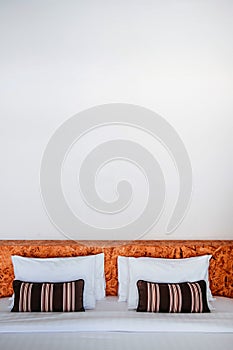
(100, 283)
(123, 277)
(130, 270)
(90, 268)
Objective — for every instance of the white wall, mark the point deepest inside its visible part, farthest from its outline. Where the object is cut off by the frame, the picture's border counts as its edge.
(174, 57)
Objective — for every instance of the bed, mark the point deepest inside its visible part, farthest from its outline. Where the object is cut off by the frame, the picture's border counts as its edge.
(111, 324)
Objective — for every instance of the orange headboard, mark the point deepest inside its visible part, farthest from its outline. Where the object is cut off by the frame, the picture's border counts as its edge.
(220, 272)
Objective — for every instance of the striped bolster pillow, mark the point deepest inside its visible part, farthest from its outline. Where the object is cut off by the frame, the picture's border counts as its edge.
(172, 297)
(45, 297)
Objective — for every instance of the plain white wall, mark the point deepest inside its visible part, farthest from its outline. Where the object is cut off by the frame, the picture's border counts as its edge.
(61, 57)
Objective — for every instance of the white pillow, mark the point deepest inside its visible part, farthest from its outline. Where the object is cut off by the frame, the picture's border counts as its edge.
(100, 284)
(90, 268)
(123, 277)
(130, 270)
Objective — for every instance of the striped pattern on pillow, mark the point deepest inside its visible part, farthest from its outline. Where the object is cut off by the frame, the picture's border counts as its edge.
(48, 297)
(172, 297)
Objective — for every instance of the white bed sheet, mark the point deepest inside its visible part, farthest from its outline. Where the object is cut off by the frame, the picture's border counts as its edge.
(112, 326)
(112, 316)
(116, 341)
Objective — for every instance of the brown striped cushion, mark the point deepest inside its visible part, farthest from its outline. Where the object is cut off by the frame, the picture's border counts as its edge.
(44, 297)
(172, 297)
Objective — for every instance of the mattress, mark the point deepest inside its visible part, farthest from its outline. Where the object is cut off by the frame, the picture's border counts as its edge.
(112, 326)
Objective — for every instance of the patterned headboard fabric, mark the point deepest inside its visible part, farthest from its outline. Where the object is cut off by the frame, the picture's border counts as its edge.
(220, 271)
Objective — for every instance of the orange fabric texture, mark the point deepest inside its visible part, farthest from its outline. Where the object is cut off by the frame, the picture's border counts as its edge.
(220, 272)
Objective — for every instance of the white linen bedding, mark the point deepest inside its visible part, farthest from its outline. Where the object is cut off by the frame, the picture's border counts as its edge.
(116, 341)
(112, 326)
(113, 316)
